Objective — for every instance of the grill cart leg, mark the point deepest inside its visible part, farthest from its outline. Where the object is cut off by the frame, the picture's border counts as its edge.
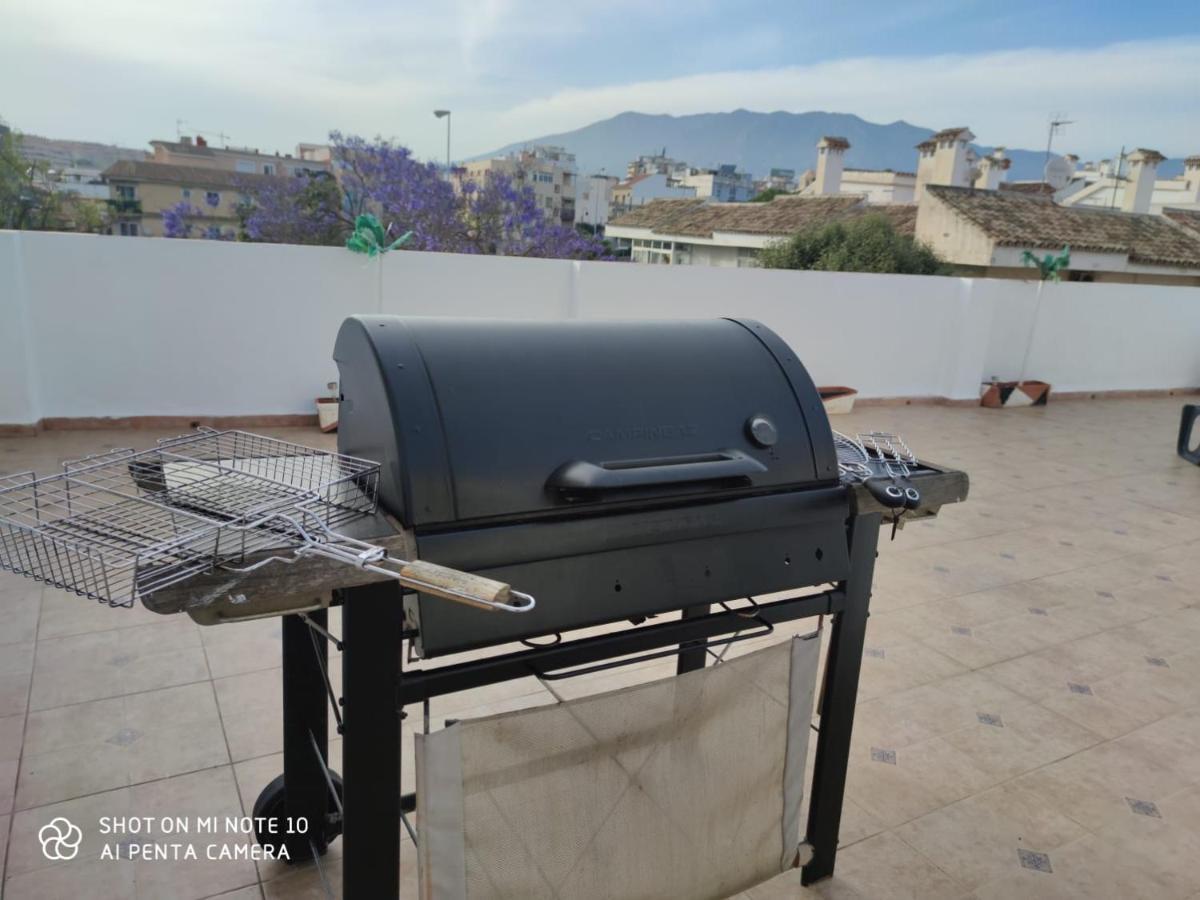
(842, 667)
(692, 655)
(301, 793)
(372, 621)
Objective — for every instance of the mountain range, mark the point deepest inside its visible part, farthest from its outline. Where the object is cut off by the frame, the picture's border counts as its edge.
(756, 142)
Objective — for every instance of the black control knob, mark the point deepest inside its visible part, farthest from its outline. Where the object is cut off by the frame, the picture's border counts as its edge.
(762, 431)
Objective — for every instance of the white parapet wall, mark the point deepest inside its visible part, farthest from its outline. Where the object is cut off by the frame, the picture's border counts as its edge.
(94, 327)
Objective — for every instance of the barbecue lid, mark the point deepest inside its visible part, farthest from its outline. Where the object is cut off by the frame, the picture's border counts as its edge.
(477, 419)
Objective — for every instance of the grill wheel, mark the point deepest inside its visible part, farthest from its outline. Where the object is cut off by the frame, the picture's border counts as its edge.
(271, 809)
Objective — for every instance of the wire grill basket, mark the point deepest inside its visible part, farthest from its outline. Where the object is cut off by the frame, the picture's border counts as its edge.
(122, 525)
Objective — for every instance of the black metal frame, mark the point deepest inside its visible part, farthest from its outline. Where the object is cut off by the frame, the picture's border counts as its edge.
(376, 689)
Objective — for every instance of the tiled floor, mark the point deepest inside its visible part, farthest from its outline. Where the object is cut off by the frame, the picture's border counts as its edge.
(1029, 712)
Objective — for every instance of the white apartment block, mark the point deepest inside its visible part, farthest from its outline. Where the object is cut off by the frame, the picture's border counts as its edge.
(593, 202)
(724, 184)
(549, 171)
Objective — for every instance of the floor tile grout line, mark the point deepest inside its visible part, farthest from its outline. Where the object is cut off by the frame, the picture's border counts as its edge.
(1011, 780)
(212, 685)
(21, 756)
(122, 787)
(140, 693)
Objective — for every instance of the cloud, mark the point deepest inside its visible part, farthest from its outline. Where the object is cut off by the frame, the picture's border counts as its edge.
(272, 72)
(1140, 93)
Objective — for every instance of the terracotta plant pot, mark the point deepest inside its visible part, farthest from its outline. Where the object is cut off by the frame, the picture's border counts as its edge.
(1006, 394)
(327, 413)
(838, 399)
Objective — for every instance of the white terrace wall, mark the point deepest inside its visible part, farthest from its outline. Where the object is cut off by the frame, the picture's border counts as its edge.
(93, 326)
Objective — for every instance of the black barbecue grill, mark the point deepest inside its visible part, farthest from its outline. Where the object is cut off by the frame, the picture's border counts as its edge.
(615, 469)
(644, 476)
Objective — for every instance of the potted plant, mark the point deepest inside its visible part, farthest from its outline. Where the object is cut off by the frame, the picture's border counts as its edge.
(327, 409)
(1024, 391)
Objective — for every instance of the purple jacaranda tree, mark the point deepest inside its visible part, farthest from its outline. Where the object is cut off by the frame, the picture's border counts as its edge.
(179, 220)
(184, 221)
(503, 218)
(303, 209)
(497, 216)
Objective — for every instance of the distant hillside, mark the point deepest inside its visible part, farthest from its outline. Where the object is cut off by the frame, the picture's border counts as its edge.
(757, 142)
(81, 154)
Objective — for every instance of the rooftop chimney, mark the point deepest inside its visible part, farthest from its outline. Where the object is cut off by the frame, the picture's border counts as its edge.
(1191, 178)
(201, 142)
(925, 151)
(944, 159)
(829, 165)
(992, 169)
(186, 140)
(1140, 186)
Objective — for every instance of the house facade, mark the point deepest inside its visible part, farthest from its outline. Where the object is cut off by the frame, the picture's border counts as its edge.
(549, 171)
(704, 233)
(139, 193)
(988, 233)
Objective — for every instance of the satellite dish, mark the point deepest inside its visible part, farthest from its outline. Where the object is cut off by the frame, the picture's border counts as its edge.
(1058, 172)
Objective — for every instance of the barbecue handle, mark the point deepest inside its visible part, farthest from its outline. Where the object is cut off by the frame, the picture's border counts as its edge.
(453, 584)
(580, 475)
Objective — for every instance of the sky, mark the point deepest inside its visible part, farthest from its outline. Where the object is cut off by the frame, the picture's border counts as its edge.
(270, 74)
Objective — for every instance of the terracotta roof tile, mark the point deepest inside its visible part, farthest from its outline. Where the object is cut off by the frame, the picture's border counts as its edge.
(1186, 218)
(947, 134)
(1029, 188)
(1014, 220)
(781, 216)
(201, 176)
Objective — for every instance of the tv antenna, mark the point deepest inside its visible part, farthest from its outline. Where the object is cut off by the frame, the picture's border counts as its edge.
(1057, 122)
(219, 135)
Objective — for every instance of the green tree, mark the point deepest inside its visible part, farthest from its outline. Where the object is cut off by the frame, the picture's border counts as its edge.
(25, 201)
(768, 195)
(868, 243)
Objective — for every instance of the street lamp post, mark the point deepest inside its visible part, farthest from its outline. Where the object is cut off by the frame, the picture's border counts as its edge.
(445, 114)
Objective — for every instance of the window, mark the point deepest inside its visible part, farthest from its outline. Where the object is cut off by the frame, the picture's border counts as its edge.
(213, 232)
(187, 193)
(268, 168)
(129, 229)
(125, 192)
(212, 198)
(245, 165)
(747, 258)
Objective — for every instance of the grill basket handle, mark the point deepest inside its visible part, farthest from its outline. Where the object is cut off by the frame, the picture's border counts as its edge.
(579, 475)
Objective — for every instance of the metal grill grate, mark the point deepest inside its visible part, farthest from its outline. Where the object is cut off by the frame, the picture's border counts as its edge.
(125, 524)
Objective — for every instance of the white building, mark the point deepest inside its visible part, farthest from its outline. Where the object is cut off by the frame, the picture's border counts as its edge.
(875, 186)
(641, 189)
(593, 202)
(724, 183)
(550, 171)
(656, 164)
(83, 182)
(1132, 185)
(778, 180)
